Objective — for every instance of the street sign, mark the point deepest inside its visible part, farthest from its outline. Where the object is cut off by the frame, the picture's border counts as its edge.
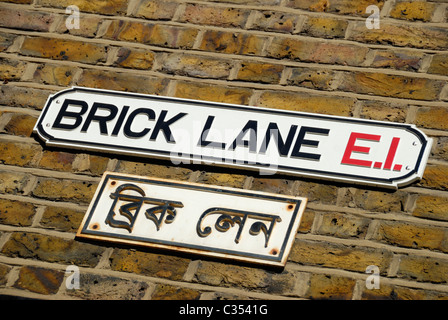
(272, 141)
(221, 222)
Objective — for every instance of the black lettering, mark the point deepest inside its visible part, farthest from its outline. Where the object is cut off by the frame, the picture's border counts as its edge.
(162, 125)
(273, 132)
(203, 139)
(101, 119)
(250, 126)
(312, 143)
(120, 120)
(63, 113)
(127, 127)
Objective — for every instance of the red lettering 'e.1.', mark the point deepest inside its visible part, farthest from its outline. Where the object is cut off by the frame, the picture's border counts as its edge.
(351, 147)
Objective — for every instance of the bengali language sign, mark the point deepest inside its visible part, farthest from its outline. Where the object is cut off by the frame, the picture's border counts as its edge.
(200, 219)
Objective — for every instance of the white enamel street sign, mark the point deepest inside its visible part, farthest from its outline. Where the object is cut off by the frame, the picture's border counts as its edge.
(221, 222)
(273, 141)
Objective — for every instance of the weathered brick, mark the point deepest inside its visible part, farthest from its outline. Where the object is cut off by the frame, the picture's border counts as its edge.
(435, 177)
(217, 274)
(305, 102)
(6, 40)
(343, 226)
(153, 34)
(11, 70)
(15, 96)
(156, 9)
(274, 21)
(61, 219)
(56, 160)
(4, 270)
(374, 200)
(206, 92)
(353, 258)
(95, 165)
(402, 35)
(18, 154)
(97, 287)
(317, 51)
(39, 280)
(232, 43)
(408, 61)
(150, 264)
(440, 148)
(396, 86)
(20, 125)
(52, 249)
(320, 79)
(413, 10)
(196, 66)
(54, 74)
(427, 269)
(171, 292)
(215, 16)
(260, 72)
(88, 26)
(26, 19)
(12, 183)
(439, 64)
(330, 287)
(65, 190)
(394, 292)
(60, 49)
(432, 117)
(411, 235)
(324, 27)
(222, 179)
(109, 7)
(336, 6)
(272, 185)
(306, 223)
(383, 111)
(317, 192)
(154, 170)
(431, 207)
(122, 81)
(16, 213)
(135, 58)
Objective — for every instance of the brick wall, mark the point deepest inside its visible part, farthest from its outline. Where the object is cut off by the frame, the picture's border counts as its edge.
(313, 56)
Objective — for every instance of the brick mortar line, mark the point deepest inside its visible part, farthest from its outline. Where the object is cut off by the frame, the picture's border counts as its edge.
(222, 29)
(373, 245)
(48, 232)
(48, 173)
(142, 278)
(279, 8)
(254, 86)
(378, 216)
(44, 202)
(363, 276)
(288, 64)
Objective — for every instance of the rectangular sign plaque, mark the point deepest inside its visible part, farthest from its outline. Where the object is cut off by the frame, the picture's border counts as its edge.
(273, 141)
(222, 222)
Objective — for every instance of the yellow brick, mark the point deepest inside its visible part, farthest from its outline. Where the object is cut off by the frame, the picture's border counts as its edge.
(60, 49)
(307, 103)
(413, 10)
